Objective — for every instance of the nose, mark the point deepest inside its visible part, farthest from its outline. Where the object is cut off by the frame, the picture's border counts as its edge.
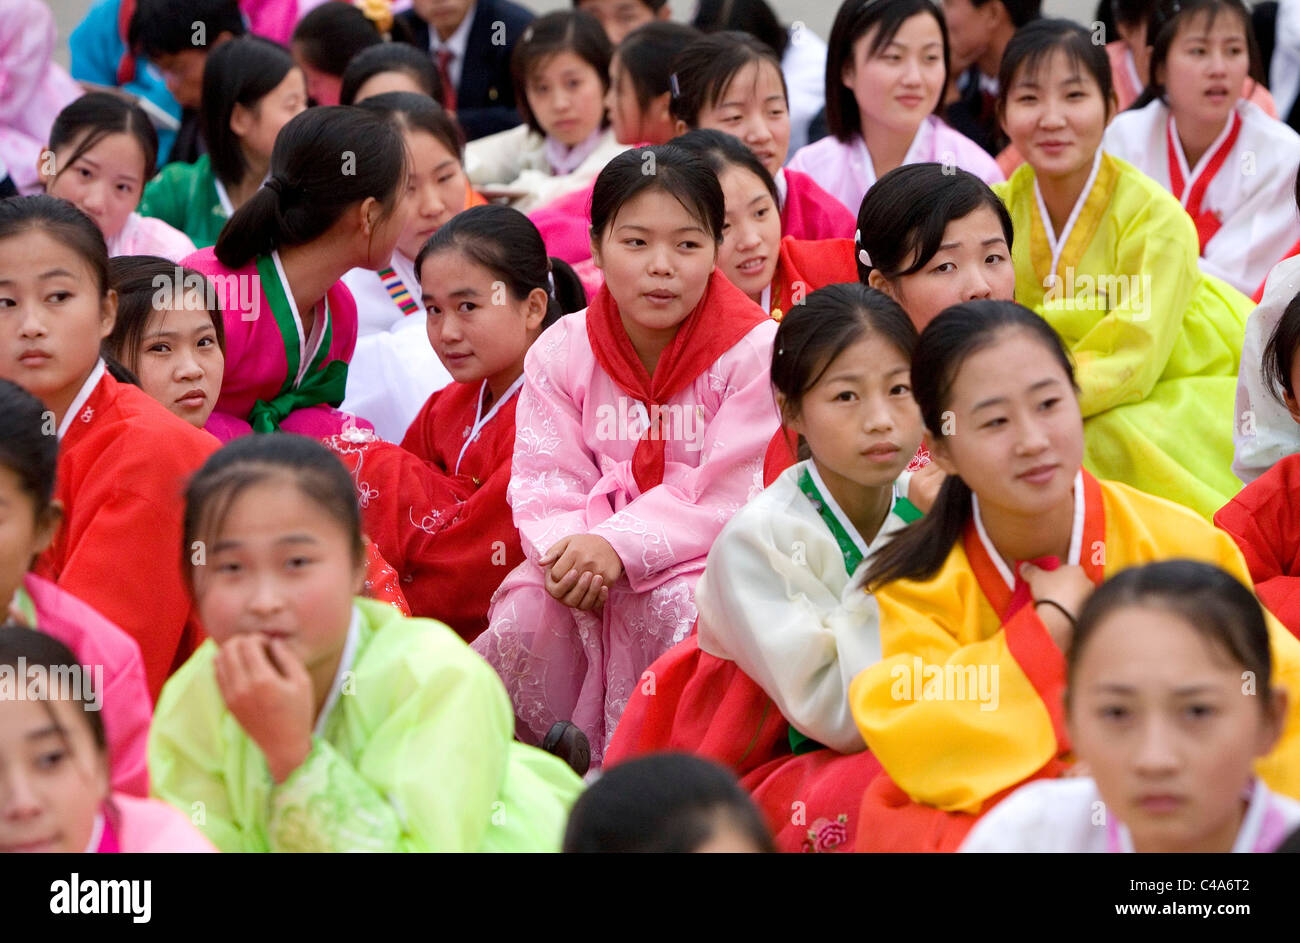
(660, 261)
(434, 204)
(92, 198)
(187, 367)
(19, 800)
(1156, 754)
(1033, 437)
(1217, 62)
(878, 418)
(747, 236)
(267, 599)
(32, 327)
(756, 131)
(911, 71)
(449, 330)
(977, 286)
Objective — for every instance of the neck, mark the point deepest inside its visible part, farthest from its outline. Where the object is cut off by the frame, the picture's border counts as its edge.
(1018, 536)
(59, 402)
(444, 35)
(887, 147)
(648, 343)
(499, 383)
(311, 269)
(866, 506)
(1060, 194)
(240, 191)
(1218, 841)
(322, 679)
(1196, 138)
(991, 61)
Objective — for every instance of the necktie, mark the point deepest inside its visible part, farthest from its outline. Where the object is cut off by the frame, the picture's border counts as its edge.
(445, 56)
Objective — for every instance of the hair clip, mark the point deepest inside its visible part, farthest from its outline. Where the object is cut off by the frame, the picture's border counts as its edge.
(550, 281)
(864, 258)
(673, 84)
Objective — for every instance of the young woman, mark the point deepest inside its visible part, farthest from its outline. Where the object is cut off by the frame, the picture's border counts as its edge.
(251, 89)
(984, 590)
(389, 67)
(1168, 732)
(101, 153)
(732, 82)
(316, 721)
(329, 37)
(1109, 259)
(784, 623)
(886, 73)
(1230, 165)
(122, 456)
(561, 75)
(641, 429)
(332, 203)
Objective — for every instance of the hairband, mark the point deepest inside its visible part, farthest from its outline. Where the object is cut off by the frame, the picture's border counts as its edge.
(274, 184)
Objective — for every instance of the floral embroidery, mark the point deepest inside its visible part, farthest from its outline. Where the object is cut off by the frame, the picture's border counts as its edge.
(827, 834)
(87, 415)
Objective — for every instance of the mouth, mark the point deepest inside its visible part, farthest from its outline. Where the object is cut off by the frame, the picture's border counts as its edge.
(1217, 93)
(884, 453)
(283, 635)
(34, 358)
(752, 266)
(194, 399)
(909, 101)
(1039, 474)
(29, 847)
(1161, 803)
(660, 297)
(455, 359)
(1052, 146)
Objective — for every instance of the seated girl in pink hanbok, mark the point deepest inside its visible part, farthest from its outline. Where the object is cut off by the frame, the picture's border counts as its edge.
(886, 71)
(102, 152)
(56, 794)
(331, 204)
(641, 427)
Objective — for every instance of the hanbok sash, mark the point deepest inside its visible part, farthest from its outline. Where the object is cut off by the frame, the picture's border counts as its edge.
(323, 382)
(1207, 222)
(723, 316)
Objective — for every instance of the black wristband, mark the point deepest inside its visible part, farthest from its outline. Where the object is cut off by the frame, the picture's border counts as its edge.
(1057, 606)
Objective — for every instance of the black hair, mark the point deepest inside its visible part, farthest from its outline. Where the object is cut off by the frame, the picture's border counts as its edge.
(166, 27)
(330, 35)
(907, 210)
(38, 653)
(854, 20)
(703, 70)
(64, 223)
(411, 112)
(138, 279)
(506, 243)
(647, 55)
(720, 151)
(1209, 599)
(654, 6)
(666, 802)
(1279, 352)
(755, 17)
(1162, 28)
(1033, 45)
(1131, 12)
(252, 460)
(947, 342)
(325, 159)
(390, 57)
(561, 31)
(28, 446)
(830, 320)
(96, 115)
(240, 72)
(1019, 12)
(672, 169)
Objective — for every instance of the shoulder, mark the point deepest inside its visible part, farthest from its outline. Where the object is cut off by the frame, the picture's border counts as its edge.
(1135, 123)
(753, 351)
(1279, 484)
(91, 635)
(1156, 525)
(190, 692)
(827, 152)
(1048, 815)
(769, 511)
(1260, 125)
(559, 345)
(150, 436)
(151, 825)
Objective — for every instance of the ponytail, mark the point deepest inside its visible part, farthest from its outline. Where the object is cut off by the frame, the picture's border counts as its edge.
(919, 550)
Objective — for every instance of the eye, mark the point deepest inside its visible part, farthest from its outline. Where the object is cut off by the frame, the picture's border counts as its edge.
(51, 760)
(1200, 711)
(85, 174)
(762, 213)
(447, 179)
(207, 341)
(993, 258)
(633, 242)
(228, 566)
(900, 389)
(1113, 712)
(845, 396)
(994, 423)
(58, 297)
(944, 268)
(465, 307)
(159, 348)
(125, 188)
(689, 245)
(1049, 403)
(1026, 99)
(297, 563)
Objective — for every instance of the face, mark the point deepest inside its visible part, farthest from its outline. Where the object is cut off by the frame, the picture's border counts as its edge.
(751, 236)
(1205, 69)
(1161, 717)
(1018, 435)
(383, 82)
(973, 262)
(53, 779)
(753, 108)
(1056, 116)
(898, 87)
(322, 87)
(970, 30)
(23, 533)
(620, 17)
(727, 839)
(442, 15)
(183, 73)
(105, 183)
(52, 318)
(179, 362)
(382, 228)
(435, 192)
(279, 565)
(860, 421)
(477, 328)
(567, 97)
(630, 123)
(258, 126)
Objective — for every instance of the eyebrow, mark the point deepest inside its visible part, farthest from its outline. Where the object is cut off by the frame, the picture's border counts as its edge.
(947, 246)
(1050, 381)
(50, 731)
(222, 545)
(450, 161)
(202, 329)
(692, 228)
(50, 273)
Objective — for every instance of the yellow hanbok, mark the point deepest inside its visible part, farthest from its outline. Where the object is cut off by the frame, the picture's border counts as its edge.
(1156, 342)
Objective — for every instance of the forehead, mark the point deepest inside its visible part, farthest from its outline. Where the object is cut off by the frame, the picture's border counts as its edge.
(984, 374)
(1147, 645)
(871, 354)
(555, 64)
(655, 210)
(193, 316)
(919, 29)
(1217, 23)
(26, 254)
(449, 270)
(753, 82)
(269, 508)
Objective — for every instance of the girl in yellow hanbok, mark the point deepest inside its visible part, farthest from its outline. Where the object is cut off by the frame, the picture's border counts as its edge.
(1109, 259)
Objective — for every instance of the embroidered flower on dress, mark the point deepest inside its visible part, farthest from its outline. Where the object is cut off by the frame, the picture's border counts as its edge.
(827, 835)
(87, 415)
(357, 434)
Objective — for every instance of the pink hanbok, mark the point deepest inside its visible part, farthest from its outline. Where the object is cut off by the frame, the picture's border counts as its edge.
(587, 460)
(144, 235)
(278, 377)
(846, 172)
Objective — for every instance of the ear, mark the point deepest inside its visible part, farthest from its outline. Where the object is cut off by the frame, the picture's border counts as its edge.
(363, 566)
(538, 301)
(241, 120)
(794, 422)
(876, 279)
(938, 449)
(369, 215)
(107, 314)
(665, 12)
(679, 128)
(1292, 406)
(47, 527)
(1274, 723)
(595, 251)
(660, 109)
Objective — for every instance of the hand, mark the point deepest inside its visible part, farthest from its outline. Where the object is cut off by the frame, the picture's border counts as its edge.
(924, 486)
(582, 569)
(266, 686)
(1068, 586)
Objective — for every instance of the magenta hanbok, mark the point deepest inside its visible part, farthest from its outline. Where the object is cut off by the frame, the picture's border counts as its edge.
(278, 377)
(573, 473)
(846, 172)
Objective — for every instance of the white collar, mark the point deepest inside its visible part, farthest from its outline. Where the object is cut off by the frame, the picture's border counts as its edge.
(1056, 243)
(1076, 534)
(765, 302)
(481, 420)
(1190, 176)
(782, 188)
(917, 151)
(458, 41)
(565, 160)
(346, 661)
(307, 346)
(227, 206)
(79, 400)
(836, 510)
(96, 834)
(988, 83)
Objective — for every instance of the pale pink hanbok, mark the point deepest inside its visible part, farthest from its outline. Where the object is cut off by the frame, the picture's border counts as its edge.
(144, 235)
(573, 474)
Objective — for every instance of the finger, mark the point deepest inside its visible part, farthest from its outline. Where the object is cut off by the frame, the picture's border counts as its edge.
(592, 595)
(579, 591)
(553, 552)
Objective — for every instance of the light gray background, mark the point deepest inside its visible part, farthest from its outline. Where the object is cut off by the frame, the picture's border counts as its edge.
(815, 14)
